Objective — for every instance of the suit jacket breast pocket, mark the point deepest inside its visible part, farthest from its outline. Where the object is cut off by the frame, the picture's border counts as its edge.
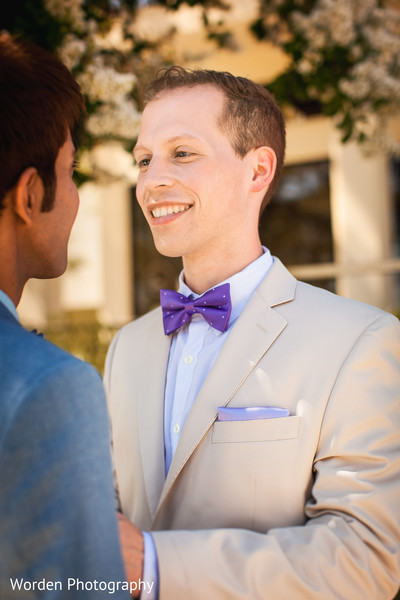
(262, 430)
(252, 468)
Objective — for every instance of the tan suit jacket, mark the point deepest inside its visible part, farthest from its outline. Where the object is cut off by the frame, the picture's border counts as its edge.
(302, 507)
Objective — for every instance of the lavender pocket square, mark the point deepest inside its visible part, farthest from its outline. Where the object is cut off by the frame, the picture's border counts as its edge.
(251, 413)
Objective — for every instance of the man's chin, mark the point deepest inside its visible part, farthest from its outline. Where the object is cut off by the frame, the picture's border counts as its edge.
(168, 250)
(51, 272)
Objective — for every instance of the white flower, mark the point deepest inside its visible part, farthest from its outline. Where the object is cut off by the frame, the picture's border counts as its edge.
(356, 52)
(68, 11)
(330, 23)
(370, 35)
(363, 11)
(305, 66)
(72, 50)
(380, 139)
(363, 30)
(120, 120)
(103, 83)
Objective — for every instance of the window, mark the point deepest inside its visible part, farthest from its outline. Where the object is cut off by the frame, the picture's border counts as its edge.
(296, 226)
(395, 186)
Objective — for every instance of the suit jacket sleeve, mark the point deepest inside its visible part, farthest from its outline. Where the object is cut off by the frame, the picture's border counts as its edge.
(57, 504)
(349, 544)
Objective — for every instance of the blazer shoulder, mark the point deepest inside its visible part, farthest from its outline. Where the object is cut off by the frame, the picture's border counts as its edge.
(29, 363)
(322, 315)
(318, 309)
(324, 301)
(21, 349)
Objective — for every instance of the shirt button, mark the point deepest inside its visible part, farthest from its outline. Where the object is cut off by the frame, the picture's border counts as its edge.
(176, 428)
(188, 359)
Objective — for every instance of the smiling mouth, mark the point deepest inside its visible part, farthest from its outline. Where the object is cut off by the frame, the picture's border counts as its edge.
(163, 211)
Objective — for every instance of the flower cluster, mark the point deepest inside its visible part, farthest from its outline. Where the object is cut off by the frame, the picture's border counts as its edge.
(345, 60)
(94, 48)
(117, 115)
(345, 63)
(72, 51)
(67, 11)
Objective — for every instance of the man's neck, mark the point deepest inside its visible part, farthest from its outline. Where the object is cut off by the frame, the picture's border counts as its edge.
(203, 273)
(12, 289)
(12, 281)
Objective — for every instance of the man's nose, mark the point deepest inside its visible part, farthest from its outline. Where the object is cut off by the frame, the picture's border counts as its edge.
(157, 174)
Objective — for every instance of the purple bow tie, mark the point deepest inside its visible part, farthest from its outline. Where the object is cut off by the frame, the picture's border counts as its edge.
(215, 306)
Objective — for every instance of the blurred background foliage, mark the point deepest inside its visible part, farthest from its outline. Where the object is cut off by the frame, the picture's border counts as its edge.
(81, 334)
(344, 57)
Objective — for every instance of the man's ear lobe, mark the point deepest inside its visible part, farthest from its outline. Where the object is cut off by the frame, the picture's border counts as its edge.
(28, 195)
(265, 168)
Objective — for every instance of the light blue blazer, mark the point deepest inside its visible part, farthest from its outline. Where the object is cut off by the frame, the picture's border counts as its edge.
(57, 504)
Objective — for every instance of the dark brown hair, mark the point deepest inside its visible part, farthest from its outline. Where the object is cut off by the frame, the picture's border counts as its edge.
(39, 102)
(250, 118)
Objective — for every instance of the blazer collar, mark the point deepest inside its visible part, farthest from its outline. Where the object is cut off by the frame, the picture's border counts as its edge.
(278, 286)
(255, 331)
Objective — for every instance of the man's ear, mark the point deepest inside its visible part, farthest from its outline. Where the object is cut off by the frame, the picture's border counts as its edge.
(264, 169)
(28, 195)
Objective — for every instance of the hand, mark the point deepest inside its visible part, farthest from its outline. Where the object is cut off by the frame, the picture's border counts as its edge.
(132, 547)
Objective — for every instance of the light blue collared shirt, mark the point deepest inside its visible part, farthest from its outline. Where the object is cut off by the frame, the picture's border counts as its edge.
(9, 304)
(194, 349)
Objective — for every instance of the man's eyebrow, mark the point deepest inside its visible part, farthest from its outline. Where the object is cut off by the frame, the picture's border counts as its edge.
(138, 147)
(171, 140)
(182, 136)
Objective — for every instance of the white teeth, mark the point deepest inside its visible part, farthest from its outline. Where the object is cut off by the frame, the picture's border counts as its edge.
(163, 211)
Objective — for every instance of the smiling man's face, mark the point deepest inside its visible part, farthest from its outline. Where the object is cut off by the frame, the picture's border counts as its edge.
(192, 187)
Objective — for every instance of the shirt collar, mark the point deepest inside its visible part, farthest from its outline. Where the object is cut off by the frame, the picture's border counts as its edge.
(242, 284)
(9, 304)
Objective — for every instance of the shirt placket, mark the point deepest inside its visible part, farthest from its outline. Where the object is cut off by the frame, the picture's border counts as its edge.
(185, 375)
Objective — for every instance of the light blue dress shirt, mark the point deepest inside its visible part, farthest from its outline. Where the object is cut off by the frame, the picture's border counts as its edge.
(194, 349)
(9, 304)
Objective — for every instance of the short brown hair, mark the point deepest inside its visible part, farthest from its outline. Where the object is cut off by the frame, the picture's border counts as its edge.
(250, 118)
(39, 102)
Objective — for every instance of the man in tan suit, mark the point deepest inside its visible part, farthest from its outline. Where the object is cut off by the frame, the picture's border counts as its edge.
(260, 444)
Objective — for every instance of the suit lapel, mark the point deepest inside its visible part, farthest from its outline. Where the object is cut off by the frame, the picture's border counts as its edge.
(254, 332)
(151, 412)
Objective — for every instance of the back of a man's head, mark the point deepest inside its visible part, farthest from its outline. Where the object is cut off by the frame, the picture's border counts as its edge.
(39, 102)
(250, 118)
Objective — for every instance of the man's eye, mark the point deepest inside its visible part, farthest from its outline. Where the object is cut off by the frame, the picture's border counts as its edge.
(143, 163)
(75, 165)
(182, 153)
